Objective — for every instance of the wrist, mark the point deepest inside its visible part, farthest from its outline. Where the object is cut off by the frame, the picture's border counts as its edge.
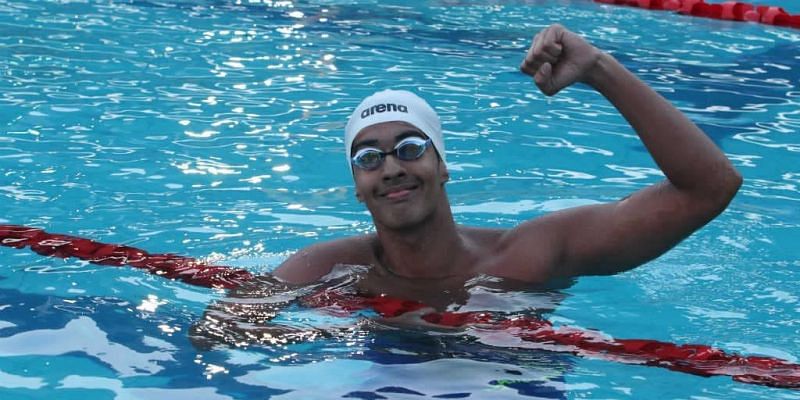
(601, 73)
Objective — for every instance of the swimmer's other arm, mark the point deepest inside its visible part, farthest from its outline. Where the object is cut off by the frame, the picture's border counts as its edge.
(312, 263)
(614, 237)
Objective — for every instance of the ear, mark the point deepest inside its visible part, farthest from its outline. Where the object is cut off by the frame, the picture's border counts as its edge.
(444, 174)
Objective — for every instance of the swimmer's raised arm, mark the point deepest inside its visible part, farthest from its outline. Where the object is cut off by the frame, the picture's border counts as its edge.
(609, 238)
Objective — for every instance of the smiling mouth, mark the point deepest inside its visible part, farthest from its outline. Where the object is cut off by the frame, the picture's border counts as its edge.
(399, 193)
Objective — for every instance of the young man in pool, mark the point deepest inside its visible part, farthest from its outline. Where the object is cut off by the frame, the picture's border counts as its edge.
(394, 141)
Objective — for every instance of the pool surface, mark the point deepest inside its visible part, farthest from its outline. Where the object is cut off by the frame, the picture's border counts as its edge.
(213, 129)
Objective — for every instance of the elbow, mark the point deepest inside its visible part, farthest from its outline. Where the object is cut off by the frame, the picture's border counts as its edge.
(725, 189)
(732, 184)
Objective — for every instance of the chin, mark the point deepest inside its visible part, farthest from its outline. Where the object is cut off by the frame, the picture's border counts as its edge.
(404, 215)
(400, 220)
(401, 225)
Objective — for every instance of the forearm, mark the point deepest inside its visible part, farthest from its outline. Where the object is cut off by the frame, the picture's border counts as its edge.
(688, 158)
(215, 329)
(245, 316)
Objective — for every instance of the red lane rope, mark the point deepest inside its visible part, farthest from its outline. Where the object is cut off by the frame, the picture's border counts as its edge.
(690, 358)
(694, 359)
(729, 10)
(170, 266)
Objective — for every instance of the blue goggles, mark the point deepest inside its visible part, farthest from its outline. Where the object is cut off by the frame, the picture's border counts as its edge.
(409, 149)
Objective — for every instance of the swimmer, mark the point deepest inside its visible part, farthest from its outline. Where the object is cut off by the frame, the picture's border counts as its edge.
(395, 149)
(396, 152)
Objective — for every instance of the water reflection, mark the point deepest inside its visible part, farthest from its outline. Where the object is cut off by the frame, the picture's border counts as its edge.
(270, 315)
(198, 127)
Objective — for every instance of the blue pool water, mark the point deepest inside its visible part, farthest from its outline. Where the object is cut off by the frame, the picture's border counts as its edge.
(214, 129)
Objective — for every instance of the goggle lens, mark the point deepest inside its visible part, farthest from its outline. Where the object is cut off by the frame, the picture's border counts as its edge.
(408, 149)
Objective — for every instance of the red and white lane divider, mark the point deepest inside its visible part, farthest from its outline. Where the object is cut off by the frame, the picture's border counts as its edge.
(695, 359)
(729, 10)
(172, 266)
(699, 360)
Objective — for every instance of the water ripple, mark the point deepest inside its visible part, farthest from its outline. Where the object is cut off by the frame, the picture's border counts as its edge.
(83, 335)
(215, 127)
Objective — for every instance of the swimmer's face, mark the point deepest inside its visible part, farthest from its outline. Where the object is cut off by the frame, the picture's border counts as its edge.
(399, 194)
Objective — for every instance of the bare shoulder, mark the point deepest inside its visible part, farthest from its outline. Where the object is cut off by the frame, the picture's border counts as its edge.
(541, 249)
(313, 262)
(484, 238)
(527, 252)
(534, 251)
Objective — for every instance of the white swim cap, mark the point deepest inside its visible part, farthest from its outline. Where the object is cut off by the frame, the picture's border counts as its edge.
(394, 105)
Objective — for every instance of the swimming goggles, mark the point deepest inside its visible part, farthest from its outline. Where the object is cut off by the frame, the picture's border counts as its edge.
(409, 149)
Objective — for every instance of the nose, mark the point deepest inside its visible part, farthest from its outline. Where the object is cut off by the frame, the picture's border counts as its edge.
(392, 168)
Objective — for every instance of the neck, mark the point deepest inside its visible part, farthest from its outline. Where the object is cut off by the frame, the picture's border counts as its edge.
(430, 250)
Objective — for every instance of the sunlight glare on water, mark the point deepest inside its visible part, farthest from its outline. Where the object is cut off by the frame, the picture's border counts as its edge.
(214, 129)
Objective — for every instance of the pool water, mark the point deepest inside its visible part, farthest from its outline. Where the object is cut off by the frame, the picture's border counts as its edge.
(214, 129)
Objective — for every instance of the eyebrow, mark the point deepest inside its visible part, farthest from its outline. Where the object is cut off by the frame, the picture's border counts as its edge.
(399, 137)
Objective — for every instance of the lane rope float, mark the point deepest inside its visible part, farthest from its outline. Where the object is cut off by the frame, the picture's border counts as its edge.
(172, 266)
(694, 359)
(729, 10)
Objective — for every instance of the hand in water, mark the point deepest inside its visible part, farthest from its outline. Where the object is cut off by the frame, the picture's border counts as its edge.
(558, 58)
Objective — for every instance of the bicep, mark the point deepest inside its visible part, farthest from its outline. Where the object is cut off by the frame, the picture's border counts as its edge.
(614, 237)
